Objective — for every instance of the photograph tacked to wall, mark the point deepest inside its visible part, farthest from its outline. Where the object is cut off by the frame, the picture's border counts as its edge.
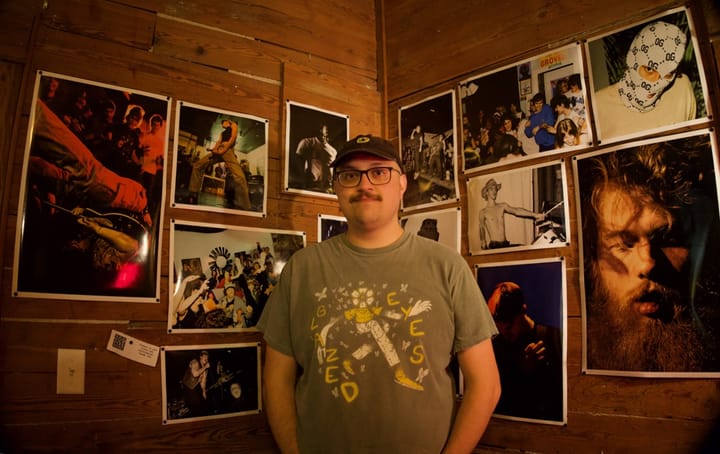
(220, 161)
(201, 382)
(442, 226)
(91, 193)
(222, 275)
(329, 226)
(649, 227)
(647, 78)
(527, 300)
(525, 110)
(524, 208)
(313, 136)
(428, 150)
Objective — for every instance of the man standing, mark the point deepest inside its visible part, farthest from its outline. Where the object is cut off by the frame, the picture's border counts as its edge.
(541, 119)
(224, 150)
(314, 155)
(651, 298)
(371, 342)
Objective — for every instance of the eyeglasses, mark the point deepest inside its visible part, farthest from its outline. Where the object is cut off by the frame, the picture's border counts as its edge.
(350, 178)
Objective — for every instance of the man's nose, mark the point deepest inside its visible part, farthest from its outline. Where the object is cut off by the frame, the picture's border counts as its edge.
(645, 259)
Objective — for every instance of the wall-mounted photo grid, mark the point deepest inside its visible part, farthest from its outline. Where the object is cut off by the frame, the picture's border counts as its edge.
(202, 382)
(527, 300)
(220, 161)
(91, 193)
(650, 241)
(222, 275)
(647, 78)
(428, 146)
(519, 209)
(313, 136)
(526, 110)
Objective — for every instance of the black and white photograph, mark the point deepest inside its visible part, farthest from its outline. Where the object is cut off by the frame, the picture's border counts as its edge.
(649, 241)
(442, 226)
(91, 196)
(528, 301)
(329, 226)
(428, 149)
(518, 209)
(647, 78)
(220, 160)
(313, 138)
(525, 110)
(222, 275)
(201, 382)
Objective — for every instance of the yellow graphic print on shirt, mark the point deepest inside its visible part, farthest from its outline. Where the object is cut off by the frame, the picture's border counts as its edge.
(359, 323)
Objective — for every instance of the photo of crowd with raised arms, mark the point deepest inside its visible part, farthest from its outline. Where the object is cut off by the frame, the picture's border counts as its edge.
(220, 160)
(92, 194)
(428, 150)
(223, 275)
(647, 78)
(520, 111)
(210, 381)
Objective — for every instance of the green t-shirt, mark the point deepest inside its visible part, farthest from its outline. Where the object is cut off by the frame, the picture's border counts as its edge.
(373, 331)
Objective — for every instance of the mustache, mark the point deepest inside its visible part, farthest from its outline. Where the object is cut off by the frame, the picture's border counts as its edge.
(361, 193)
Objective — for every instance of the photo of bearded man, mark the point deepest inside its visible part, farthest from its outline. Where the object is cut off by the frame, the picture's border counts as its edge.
(650, 245)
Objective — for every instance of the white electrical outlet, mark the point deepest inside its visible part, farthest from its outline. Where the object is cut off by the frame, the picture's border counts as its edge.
(70, 371)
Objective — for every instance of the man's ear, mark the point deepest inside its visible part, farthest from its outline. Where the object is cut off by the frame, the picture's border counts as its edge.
(403, 183)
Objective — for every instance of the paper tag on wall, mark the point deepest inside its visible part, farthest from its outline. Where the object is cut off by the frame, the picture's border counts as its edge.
(133, 349)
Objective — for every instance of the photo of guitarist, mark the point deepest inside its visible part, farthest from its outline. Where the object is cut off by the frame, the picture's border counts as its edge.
(224, 150)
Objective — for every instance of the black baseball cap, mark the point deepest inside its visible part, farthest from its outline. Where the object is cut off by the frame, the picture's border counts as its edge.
(366, 143)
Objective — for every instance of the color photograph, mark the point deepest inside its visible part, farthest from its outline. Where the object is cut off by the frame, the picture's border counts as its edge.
(220, 161)
(647, 78)
(91, 197)
(650, 242)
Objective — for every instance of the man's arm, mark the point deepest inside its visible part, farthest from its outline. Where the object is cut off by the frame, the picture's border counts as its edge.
(279, 376)
(481, 394)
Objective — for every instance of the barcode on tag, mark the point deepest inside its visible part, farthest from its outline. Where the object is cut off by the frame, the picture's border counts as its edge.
(119, 341)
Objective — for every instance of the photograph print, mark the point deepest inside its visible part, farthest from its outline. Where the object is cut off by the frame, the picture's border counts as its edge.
(442, 226)
(222, 275)
(527, 300)
(220, 161)
(329, 226)
(650, 242)
(427, 149)
(91, 197)
(647, 78)
(313, 137)
(519, 209)
(202, 382)
(522, 110)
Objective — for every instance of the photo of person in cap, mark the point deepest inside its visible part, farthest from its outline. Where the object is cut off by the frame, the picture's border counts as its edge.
(649, 83)
(492, 217)
(356, 343)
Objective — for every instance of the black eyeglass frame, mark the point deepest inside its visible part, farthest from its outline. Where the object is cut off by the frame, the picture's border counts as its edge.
(365, 172)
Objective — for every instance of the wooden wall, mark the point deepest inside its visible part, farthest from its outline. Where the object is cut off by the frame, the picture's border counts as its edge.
(250, 57)
(244, 57)
(430, 47)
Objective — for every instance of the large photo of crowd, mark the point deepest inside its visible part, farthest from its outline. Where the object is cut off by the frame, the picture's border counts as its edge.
(91, 196)
(222, 275)
(537, 106)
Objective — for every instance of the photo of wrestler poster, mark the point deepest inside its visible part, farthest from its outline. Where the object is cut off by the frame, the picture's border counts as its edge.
(202, 382)
(520, 111)
(527, 300)
(442, 226)
(222, 275)
(220, 161)
(518, 209)
(647, 78)
(649, 227)
(91, 194)
(313, 137)
(427, 147)
(329, 226)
